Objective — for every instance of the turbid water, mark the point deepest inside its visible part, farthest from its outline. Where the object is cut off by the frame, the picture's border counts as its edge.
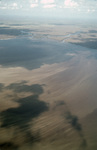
(47, 95)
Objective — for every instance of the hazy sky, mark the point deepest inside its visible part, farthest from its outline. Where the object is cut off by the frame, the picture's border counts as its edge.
(49, 8)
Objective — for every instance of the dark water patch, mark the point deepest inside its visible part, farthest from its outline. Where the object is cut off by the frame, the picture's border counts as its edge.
(84, 32)
(13, 32)
(22, 116)
(32, 54)
(4, 28)
(15, 24)
(89, 43)
(59, 103)
(8, 146)
(30, 107)
(22, 87)
(73, 120)
(83, 144)
(92, 31)
(1, 87)
(93, 35)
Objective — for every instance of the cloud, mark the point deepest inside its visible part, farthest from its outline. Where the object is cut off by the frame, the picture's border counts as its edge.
(63, 7)
(14, 4)
(49, 6)
(90, 10)
(9, 6)
(70, 3)
(3, 7)
(33, 5)
(71, 54)
(47, 1)
(33, 1)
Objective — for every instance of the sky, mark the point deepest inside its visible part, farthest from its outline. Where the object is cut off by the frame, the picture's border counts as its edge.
(49, 8)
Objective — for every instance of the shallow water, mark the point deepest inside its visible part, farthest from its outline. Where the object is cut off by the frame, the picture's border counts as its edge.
(47, 95)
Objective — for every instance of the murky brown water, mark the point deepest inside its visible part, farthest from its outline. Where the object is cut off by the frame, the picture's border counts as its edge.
(47, 95)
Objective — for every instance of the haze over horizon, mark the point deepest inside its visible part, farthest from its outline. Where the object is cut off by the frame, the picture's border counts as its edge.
(49, 8)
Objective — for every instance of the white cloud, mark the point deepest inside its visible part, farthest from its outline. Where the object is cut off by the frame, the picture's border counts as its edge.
(47, 1)
(63, 8)
(14, 4)
(70, 3)
(71, 54)
(2, 7)
(49, 6)
(33, 5)
(33, 1)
